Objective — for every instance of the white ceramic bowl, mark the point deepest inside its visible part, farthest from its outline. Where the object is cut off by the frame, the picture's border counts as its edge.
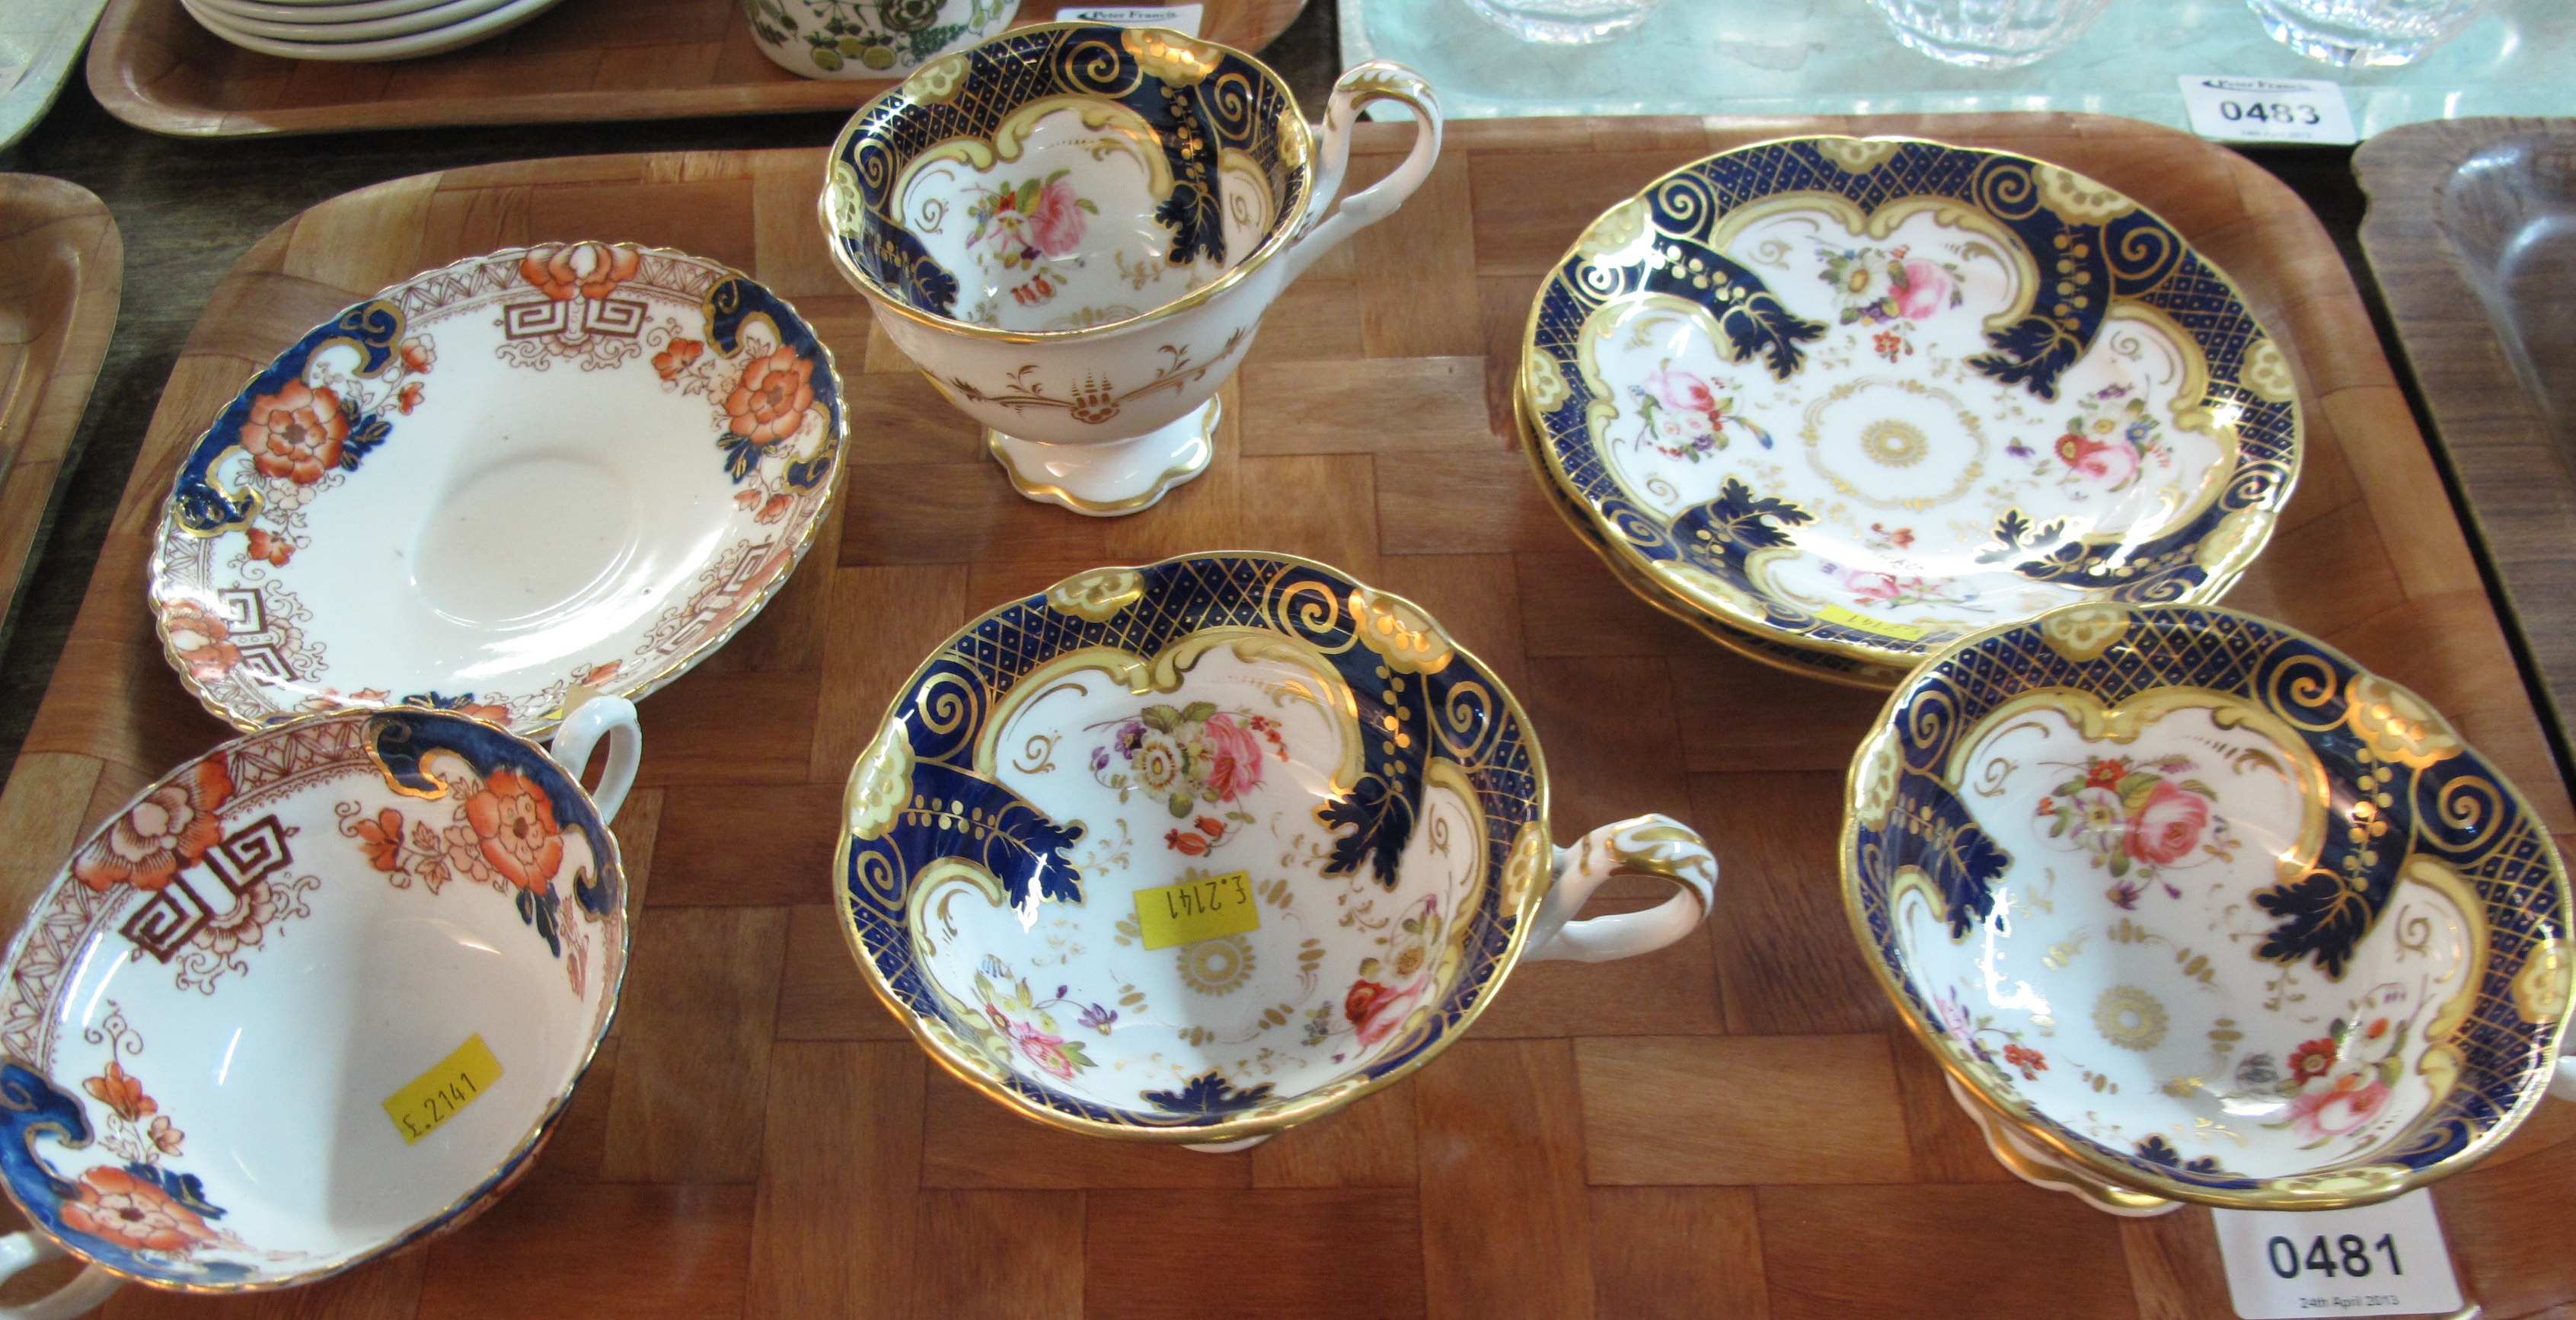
(454, 36)
(345, 30)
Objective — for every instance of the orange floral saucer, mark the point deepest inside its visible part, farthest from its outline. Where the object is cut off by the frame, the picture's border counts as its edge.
(570, 466)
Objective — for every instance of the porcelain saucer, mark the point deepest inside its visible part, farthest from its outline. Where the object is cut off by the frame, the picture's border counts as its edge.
(576, 465)
(1867, 396)
(1805, 662)
(2206, 911)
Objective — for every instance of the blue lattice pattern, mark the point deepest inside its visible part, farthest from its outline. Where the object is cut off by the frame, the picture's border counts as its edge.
(2456, 809)
(2133, 255)
(944, 708)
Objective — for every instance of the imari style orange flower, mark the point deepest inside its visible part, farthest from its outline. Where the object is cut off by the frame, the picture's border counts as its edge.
(515, 822)
(670, 362)
(269, 548)
(170, 828)
(121, 1093)
(131, 1212)
(295, 433)
(770, 402)
(592, 270)
(381, 839)
(201, 640)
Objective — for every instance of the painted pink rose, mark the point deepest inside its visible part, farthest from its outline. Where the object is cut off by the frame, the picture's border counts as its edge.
(1375, 1010)
(1873, 587)
(2110, 462)
(1230, 757)
(1055, 223)
(2337, 1103)
(1925, 291)
(1683, 391)
(1045, 1051)
(2168, 825)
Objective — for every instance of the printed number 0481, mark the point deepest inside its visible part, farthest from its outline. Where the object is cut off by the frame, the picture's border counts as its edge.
(2348, 1252)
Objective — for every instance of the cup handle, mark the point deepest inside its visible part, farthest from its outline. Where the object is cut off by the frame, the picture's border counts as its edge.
(580, 732)
(2563, 1083)
(1376, 80)
(79, 1297)
(1654, 845)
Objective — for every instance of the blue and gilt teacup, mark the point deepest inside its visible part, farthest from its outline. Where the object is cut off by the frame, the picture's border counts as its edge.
(1199, 850)
(1074, 229)
(2193, 908)
(311, 997)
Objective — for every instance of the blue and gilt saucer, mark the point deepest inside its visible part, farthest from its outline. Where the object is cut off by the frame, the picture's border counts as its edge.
(1863, 397)
(2203, 911)
(570, 466)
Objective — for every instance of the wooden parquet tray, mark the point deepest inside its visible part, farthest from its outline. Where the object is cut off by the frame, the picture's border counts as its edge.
(1735, 1126)
(62, 265)
(153, 67)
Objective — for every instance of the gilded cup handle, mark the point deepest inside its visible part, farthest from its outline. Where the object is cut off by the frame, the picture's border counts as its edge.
(82, 1295)
(583, 726)
(1657, 846)
(1376, 80)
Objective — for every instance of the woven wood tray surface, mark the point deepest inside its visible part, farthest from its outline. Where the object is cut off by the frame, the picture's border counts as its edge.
(154, 67)
(1735, 1126)
(61, 267)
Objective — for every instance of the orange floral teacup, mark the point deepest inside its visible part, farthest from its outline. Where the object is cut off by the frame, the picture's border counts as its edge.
(311, 997)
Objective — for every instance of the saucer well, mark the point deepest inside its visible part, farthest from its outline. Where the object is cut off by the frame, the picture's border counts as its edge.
(573, 465)
(1806, 662)
(1251, 740)
(2205, 910)
(1867, 396)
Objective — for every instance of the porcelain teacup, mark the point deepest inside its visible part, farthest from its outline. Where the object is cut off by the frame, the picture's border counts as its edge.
(1073, 230)
(311, 997)
(1196, 851)
(841, 39)
(2193, 908)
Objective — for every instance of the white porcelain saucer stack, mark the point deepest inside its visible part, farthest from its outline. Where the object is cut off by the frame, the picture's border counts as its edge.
(360, 30)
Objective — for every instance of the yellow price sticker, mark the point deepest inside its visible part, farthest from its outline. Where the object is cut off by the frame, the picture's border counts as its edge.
(1912, 632)
(1195, 910)
(449, 1086)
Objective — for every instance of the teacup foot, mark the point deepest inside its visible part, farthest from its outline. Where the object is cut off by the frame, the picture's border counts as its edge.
(1228, 1147)
(2027, 1162)
(1108, 480)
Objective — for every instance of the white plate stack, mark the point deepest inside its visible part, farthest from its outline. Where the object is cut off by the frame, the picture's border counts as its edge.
(360, 29)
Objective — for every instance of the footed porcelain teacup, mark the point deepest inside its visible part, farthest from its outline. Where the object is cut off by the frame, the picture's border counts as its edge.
(1073, 230)
(2193, 908)
(313, 996)
(1199, 850)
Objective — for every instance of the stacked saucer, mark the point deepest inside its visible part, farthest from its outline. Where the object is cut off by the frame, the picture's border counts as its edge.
(1841, 402)
(360, 30)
